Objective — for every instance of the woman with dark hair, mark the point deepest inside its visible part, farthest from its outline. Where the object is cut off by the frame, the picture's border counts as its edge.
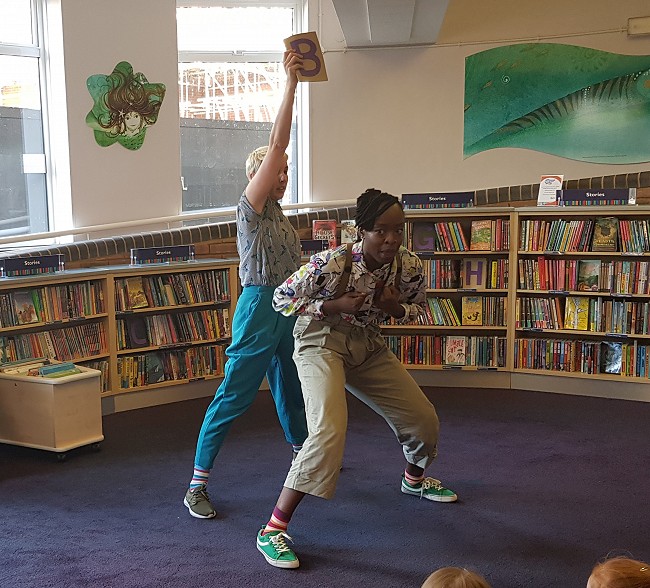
(340, 296)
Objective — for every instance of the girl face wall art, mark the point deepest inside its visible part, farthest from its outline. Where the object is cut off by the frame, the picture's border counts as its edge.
(125, 104)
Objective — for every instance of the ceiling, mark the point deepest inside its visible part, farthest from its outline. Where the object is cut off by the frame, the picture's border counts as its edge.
(385, 23)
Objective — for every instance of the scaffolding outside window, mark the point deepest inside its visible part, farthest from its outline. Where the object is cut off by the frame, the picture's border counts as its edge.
(231, 82)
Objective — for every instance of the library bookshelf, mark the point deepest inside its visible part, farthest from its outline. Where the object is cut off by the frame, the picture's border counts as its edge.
(541, 343)
(502, 327)
(156, 332)
(466, 334)
(582, 305)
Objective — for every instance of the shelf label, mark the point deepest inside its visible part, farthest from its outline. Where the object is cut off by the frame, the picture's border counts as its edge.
(438, 200)
(597, 197)
(164, 254)
(30, 266)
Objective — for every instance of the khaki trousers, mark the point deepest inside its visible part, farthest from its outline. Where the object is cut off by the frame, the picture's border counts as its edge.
(331, 355)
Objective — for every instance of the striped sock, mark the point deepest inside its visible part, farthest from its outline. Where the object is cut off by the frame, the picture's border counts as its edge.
(413, 480)
(279, 521)
(199, 477)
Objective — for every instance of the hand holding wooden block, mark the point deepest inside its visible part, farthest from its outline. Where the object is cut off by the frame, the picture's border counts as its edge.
(307, 45)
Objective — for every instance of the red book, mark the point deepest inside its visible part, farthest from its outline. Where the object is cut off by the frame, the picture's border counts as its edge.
(325, 230)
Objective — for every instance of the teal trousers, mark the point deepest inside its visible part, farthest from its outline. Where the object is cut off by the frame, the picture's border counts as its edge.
(262, 344)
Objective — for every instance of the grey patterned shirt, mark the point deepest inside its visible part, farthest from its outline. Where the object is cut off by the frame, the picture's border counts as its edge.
(268, 245)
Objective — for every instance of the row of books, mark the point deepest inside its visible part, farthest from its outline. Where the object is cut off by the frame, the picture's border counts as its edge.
(559, 235)
(440, 312)
(484, 235)
(40, 368)
(588, 357)
(169, 365)
(449, 350)
(474, 310)
(585, 275)
(634, 235)
(441, 236)
(139, 331)
(327, 230)
(102, 366)
(596, 315)
(51, 303)
(171, 290)
(65, 344)
(476, 273)
(489, 311)
(490, 235)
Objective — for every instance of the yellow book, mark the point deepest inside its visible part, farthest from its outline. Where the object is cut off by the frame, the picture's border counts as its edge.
(135, 292)
(576, 313)
(472, 310)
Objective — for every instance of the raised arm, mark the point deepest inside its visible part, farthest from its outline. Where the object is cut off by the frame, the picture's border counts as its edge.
(261, 183)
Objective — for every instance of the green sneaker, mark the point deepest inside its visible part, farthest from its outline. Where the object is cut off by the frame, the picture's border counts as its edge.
(431, 489)
(275, 549)
(198, 503)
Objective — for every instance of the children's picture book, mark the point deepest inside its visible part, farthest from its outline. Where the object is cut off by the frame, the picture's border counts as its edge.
(611, 357)
(576, 313)
(348, 231)
(135, 292)
(137, 332)
(155, 368)
(605, 236)
(472, 310)
(24, 307)
(324, 230)
(474, 274)
(589, 275)
(481, 235)
(455, 350)
(424, 239)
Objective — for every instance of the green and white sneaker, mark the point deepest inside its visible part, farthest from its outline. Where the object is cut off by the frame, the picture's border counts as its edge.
(198, 503)
(431, 489)
(275, 550)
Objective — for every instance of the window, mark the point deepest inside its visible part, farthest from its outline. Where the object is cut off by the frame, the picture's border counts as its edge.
(231, 82)
(23, 191)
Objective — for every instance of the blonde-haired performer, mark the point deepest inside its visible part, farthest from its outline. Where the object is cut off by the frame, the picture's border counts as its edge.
(262, 341)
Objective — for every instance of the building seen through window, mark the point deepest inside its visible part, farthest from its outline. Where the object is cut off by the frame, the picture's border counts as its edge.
(23, 185)
(231, 82)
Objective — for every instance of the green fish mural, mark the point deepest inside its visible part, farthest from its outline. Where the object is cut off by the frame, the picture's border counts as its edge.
(125, 104)
(564, 100)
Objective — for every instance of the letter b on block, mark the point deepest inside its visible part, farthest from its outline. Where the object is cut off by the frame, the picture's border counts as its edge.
(307, 45)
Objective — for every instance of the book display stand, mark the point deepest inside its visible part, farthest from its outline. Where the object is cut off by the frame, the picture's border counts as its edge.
(57, 413)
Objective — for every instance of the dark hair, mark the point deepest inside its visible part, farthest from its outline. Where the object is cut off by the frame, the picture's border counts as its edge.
(371, 205)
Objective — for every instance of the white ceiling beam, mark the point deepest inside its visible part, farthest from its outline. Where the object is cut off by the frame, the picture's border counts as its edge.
(367, 23)
(427, 20)
(355, 24)
(390, 21)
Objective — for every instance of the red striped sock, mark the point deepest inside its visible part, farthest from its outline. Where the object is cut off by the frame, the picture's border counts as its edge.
(199, 477)
(279, 521)
(413, 480)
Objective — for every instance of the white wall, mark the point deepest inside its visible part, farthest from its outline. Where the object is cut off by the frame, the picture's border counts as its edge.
(111, 184)
(389, 118)
(393, 118)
